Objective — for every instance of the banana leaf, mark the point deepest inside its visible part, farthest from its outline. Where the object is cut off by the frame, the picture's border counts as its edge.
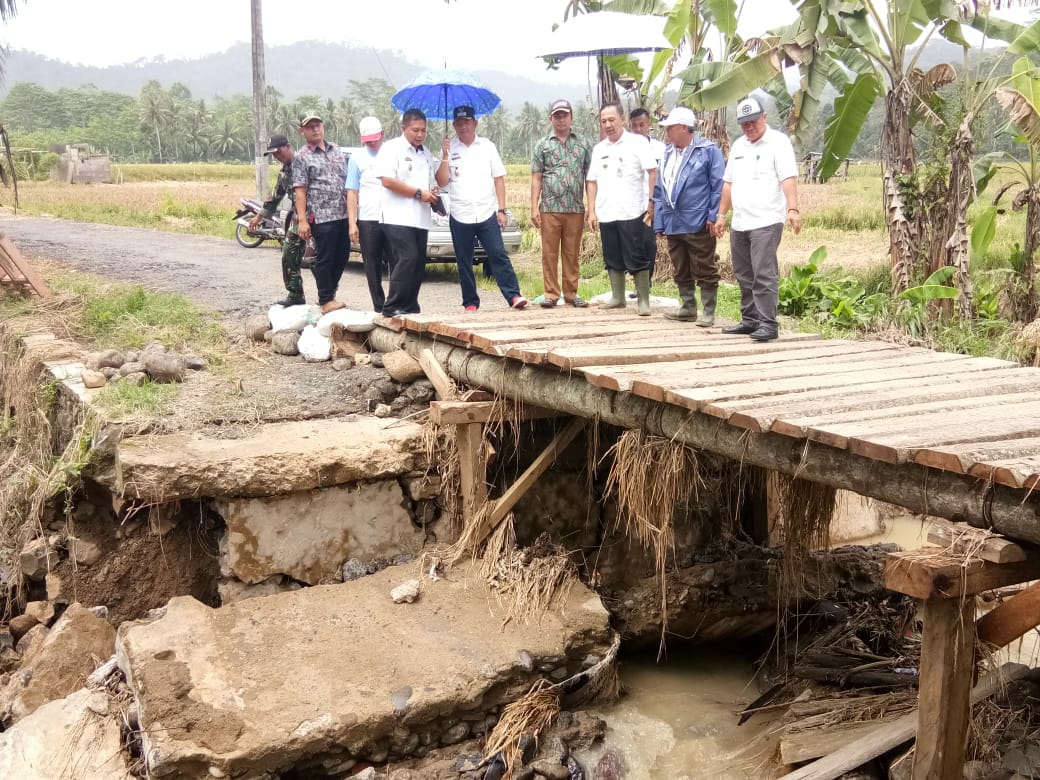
(850, 112)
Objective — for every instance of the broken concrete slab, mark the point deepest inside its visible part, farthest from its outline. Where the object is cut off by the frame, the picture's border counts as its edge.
(308, 535)
(275, 458)
(65, 738)
(324, 676)
(60, 666)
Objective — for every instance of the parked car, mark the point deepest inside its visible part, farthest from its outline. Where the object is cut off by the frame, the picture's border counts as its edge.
(439, 246)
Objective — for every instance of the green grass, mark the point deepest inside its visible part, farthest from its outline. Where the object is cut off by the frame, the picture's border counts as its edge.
(126, 400)
(219, 172)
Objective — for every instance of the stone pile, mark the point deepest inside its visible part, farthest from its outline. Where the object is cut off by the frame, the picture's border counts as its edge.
(154, 363)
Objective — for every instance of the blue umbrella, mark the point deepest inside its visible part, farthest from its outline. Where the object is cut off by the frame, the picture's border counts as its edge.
(437, 92)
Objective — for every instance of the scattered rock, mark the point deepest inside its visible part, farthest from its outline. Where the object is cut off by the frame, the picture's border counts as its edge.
(136, 379)
(342, 364)
(43, 611)
(377, 360)
(29, 645)
(354, 569)
(382, 410)
(93, 379)
(405, 592)
(194, 363)
(37, 558)
(257, 326)
(420, 392)
(55, 586)
(133, 356)
(9, 661)
(20, 625)
(232, 590)
(109, 358)
(164, 367)
(131, 367)
(285, 343)
(84, 552)
(268, 336)
(363, 360)
(162, 518)
(402, 367)
(109, 373)
(611, 766)
(99, 610)
(369, 773)
(455, 734)
(551, 770)
(399, 699)
(373, 394)
(6, 639)
(64, 660)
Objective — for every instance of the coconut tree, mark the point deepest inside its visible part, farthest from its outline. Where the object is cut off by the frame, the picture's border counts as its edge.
(155, 112)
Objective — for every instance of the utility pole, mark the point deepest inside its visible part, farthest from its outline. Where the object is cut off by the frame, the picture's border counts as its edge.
(259, 102)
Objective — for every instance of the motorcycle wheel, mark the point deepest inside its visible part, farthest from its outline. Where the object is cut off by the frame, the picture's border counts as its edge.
(242, 237)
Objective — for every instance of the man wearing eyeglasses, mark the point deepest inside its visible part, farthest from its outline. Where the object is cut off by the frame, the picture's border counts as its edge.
(761, 185)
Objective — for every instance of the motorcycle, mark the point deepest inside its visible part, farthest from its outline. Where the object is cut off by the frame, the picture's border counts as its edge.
(269, 229)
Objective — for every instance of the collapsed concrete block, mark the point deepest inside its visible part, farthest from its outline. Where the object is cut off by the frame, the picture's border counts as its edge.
(308, 535)
(328, 690)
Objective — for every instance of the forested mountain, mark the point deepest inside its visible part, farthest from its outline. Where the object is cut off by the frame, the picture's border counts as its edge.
(307, 68)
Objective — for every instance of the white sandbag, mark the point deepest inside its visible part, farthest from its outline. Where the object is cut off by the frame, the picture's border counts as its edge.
(313, 346)
(292, 317)
(351, 319)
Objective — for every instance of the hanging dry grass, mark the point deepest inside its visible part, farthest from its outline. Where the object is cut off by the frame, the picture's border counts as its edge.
(806, 509)
(651, 475)
(531, 714)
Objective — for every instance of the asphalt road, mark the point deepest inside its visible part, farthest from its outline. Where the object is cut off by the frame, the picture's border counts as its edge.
(215, 272)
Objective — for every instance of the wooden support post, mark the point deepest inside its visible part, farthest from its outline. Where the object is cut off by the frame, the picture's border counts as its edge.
(1006, 623)
(947, 665)
(437, 375)
(473, 469)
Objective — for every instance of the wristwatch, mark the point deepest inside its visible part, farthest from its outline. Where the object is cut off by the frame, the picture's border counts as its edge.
(418, 194)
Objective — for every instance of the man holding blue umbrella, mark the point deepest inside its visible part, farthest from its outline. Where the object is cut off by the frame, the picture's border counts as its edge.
(472, 169)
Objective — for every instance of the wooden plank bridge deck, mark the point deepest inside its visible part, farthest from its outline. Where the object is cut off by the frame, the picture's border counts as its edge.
(887, 402)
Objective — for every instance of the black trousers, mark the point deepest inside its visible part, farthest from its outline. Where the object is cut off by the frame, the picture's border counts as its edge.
(375, 251)
(625, 245)
(408, 250)
(332, 245)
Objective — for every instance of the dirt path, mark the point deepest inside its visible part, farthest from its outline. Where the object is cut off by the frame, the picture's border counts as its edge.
(214, 272)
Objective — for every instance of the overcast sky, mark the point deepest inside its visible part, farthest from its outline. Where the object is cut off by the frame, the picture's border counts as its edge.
(466, 34)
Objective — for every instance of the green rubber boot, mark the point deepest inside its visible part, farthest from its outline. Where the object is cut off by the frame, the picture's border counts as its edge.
(617, 290)
(709, 295)
(643, 292)
(688, 311)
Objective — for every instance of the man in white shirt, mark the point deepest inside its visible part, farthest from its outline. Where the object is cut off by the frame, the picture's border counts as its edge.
(472, 170)
(639, 123)
(622, 173)
(405, 167)
(364, 208)
(761, 185)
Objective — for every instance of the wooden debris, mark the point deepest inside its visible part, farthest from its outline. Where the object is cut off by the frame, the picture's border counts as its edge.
(940, 575)
(1012, 619)
(15, 270)
(979, 543)
(437, 375)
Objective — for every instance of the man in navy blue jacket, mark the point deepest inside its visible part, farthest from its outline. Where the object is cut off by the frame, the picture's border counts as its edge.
(686, 206)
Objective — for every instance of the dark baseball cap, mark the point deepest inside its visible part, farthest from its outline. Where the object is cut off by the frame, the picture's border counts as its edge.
(308, 116)
(560, 105)
(464, 112)
(275, 142)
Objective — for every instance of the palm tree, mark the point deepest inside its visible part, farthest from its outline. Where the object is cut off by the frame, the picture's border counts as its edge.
(530, 126)
(155, 112)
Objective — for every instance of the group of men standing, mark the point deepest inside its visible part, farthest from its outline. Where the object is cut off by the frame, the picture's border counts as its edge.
(382, 198)
(637, 189)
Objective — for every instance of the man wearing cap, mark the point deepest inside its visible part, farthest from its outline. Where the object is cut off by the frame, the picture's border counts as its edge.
(622, 171)
(293, 248)
(405, 169)
(761, 185)
(639, 123)
(319, 178)
(558, 170)
(473, 171)
(686, 207)
(364, 196)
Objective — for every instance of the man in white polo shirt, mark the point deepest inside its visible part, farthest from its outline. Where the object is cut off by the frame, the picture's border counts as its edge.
(622, 171)
(364, 208)
(405, 168)
(472, 169)
(761, 184)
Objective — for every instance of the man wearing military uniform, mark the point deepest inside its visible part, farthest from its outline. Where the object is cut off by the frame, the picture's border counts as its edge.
(293, 248)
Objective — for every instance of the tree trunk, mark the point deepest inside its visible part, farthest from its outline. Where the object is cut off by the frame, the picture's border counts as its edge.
(954, 251)
(607, 87)
(715, 130)
(1026, 310)
(897, 159)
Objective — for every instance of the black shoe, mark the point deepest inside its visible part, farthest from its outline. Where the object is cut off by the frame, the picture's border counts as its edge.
(741, 329)
(292, 300)
(765, 333)
(393, 312)
(548, 303)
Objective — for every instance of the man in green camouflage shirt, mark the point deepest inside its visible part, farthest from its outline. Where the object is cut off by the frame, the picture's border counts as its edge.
(558, 170)
(293, 248)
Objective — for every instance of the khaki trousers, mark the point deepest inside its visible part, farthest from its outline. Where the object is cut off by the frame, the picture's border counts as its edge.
(561, 243)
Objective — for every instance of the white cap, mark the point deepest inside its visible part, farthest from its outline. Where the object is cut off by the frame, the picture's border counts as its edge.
(371, 129)
(748, 110)
(680, 115)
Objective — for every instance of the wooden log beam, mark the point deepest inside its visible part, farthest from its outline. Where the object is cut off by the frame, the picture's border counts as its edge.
(947, 665)
(1004, 624)
(1012, 512)
(980, 544)
(462, 412)
(891, 735)
(938, 576)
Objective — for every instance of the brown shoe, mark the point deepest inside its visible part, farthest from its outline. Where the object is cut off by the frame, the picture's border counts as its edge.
(332, 306)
